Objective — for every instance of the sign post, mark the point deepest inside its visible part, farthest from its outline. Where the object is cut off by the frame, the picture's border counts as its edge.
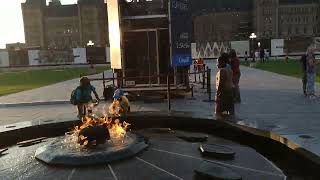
(180, 27)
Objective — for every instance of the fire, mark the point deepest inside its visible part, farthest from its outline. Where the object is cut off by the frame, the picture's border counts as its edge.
(115, 129)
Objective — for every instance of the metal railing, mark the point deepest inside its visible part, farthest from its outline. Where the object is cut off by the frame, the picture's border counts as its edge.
(205, 81)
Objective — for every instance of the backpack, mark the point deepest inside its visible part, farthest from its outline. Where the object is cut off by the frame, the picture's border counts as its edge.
(73, 99)
(108, 92)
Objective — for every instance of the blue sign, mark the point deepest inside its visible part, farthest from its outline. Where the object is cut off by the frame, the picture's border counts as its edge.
(181, 32)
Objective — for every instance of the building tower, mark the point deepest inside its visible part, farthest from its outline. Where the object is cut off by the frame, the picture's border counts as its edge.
(32, 11)
(266, 16)
(92, 18)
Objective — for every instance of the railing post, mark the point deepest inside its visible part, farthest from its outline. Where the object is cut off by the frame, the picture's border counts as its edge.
(192, 95)
(195, 74)
(168, 92)
(113, 83)
(209, 86)
(209, 83)
(103, 82)
(203, 75)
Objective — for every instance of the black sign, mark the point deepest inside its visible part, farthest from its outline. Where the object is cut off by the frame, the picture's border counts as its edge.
(181, 29)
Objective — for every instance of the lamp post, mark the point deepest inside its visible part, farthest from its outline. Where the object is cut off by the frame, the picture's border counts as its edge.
(90, 44)
(252, 37)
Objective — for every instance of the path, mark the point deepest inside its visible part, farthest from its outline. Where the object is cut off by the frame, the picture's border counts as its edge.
(59, 91)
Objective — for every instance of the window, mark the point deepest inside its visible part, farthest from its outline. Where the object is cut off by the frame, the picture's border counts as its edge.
(289, 30)
(305, 30)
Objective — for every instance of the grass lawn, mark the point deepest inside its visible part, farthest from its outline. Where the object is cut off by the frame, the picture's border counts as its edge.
(16, 81)
(290, 68)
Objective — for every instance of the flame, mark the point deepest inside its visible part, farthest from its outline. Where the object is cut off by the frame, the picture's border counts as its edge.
(116, 128)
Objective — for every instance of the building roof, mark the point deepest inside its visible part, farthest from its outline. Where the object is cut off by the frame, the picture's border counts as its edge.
(35, 3)
(61, 11)
(204, 6)
(293, 2)
(91, 2)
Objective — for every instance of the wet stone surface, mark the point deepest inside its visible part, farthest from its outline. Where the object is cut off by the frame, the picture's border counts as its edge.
(192, 137)
(214, 171)
(217, 151)
(167, 157)
(63, 151)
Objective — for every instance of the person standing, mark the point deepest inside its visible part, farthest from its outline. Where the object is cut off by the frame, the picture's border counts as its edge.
(257, 54)
(266, 54)
(224, 91)
(303, 62)
(235, 65)
(311, 72)
(262, 55)
(246, 56)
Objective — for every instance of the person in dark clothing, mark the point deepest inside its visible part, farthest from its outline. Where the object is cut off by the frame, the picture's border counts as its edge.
(246, 56)
(262, 55)
(235, 65)
(303, 62)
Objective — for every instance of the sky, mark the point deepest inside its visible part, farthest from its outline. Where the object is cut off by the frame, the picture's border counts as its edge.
(11, 22)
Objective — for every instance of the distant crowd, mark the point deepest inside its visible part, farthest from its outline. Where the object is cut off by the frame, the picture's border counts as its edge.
(262, 54)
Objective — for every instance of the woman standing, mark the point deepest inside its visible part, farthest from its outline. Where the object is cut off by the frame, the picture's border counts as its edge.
(224, 94)
(311, 72)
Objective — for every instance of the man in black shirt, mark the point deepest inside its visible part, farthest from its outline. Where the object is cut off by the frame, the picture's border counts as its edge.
(262, 55)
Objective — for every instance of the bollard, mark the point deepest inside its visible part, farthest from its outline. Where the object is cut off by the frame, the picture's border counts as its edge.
(113, 83)
(209, 100)
(194, 71)
(203, 76)
(209, 83)
(199, 72)
(192, 92)
(103, 82)
(168, 93)
(208, 79)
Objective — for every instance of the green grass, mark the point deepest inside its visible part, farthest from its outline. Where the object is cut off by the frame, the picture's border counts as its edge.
(16, 81)
(290, 68)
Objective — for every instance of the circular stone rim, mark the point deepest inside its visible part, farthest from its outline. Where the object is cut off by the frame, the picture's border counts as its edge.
(98, 158)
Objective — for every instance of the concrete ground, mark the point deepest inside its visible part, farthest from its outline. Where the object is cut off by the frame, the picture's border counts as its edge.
(269, 101)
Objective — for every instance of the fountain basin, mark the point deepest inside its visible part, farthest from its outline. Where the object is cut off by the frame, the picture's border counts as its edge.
(62, 152)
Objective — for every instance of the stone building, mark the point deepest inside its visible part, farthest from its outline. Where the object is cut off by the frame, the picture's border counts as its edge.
(237, 19)
(56, 26)
(222, 26)
(222, 20)
(287, 18)
(302, 20)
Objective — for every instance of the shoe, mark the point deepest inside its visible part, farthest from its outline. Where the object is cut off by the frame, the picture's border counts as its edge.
(312, 97)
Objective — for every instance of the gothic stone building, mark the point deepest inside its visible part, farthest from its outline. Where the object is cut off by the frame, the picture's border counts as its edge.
(287, 18)
(57, 26)
(231, 20)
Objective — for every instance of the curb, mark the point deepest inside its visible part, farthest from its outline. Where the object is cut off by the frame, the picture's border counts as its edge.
(37, 103)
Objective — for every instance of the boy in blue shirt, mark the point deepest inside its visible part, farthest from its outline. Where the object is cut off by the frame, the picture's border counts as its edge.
(83, 95)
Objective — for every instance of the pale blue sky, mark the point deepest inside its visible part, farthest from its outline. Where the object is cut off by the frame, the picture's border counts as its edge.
(11, 23)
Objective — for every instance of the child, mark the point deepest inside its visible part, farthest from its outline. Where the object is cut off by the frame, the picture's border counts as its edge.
(83, 95)
(120, 105)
